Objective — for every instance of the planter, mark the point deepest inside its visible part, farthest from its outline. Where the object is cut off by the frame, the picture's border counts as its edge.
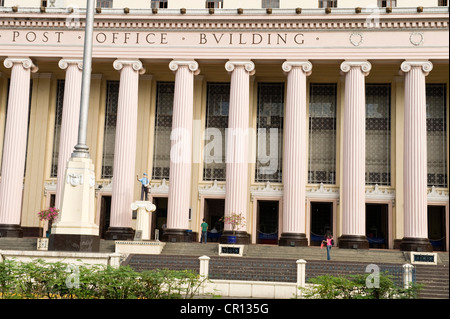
(231, 240)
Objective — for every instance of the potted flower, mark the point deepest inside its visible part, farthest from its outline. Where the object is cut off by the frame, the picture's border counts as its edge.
(236, 221)
(48, 215)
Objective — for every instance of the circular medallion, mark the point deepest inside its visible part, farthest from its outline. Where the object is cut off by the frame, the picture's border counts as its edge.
(356, 39)
(416, 38)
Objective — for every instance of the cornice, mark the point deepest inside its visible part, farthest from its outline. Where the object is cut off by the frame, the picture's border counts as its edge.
(141, 22)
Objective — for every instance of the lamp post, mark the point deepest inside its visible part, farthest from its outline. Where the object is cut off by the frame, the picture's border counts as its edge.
(76, 229)
(81, 149)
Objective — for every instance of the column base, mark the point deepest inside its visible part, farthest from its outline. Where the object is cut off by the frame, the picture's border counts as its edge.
(415, 244)
(177, 236)
(242, 238)
(66, 242)
(11, 230)
(119, 233)
(293, 240)
(353, 242)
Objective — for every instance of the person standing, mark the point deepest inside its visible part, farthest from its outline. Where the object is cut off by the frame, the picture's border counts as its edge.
(204, 226)
(329, 241)
(145, 185)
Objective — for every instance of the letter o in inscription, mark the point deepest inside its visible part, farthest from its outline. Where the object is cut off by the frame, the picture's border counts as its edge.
(98, 38)
(295, 38)
(33, 36)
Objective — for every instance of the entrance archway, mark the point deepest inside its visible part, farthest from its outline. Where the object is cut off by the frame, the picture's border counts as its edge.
(436, 227)
(377, 225)
(105, 214)
(159, 216)
(214, 210)
(321, 221)
(267, 222)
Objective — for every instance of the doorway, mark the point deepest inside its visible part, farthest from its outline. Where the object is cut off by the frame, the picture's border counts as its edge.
(214, 210)
(159, 216)
(377, 225)
(436, 227)
(267, 222)
(321, 221)
(105, 215)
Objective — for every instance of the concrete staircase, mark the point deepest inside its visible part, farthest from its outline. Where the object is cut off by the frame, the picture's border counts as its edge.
(9, 243)
(191, 249)
(435, 281)
(277, 252)
(30, 243)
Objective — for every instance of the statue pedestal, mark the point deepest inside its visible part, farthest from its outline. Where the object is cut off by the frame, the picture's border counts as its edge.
(143, 221)
(75, 229)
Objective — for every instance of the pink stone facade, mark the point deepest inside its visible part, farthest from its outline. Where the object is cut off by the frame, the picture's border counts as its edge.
(286, 49)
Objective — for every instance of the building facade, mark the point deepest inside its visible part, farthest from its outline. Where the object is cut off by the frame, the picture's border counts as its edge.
(306, 117)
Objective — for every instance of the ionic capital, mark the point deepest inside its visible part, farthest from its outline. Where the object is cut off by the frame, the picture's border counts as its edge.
(426, 66)
(306, 66)
(365, 66)
(249, 66)
(136, 65)
(191, 64)
(64, 63)
(148, 206)
(26, 63)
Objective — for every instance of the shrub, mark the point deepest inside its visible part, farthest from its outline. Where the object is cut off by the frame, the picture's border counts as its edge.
(355, 287)
(39, 279)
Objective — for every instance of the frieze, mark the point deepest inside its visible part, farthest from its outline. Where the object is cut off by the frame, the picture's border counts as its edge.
(142, 21)
(208, 39)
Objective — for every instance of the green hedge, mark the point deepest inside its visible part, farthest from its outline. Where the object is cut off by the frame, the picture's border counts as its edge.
(40, 279)
(355, 287)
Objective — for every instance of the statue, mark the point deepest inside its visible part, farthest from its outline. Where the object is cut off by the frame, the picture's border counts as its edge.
(145, 186)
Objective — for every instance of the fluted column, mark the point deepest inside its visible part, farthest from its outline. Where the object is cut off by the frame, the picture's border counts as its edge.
(181, 151)
(14, 149)
(415, 157)
(125, 150)
(294, 155)
(236, 189)
(353, 179)
(70, 117)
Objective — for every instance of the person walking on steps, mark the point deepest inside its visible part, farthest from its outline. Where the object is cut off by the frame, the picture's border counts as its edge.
(329, 241)
(204, 226)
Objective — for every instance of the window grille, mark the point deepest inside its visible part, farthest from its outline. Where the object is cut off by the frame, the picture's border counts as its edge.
(217, 104)
(378, 134)
(159, 4)
(327, 3)
(270, 3)
(270, 132)
(57, 127)
(214, 4)
(109, 137)
(163, 128)
(322, 133)
(387, 3)
(436, 135)
(104, 3)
